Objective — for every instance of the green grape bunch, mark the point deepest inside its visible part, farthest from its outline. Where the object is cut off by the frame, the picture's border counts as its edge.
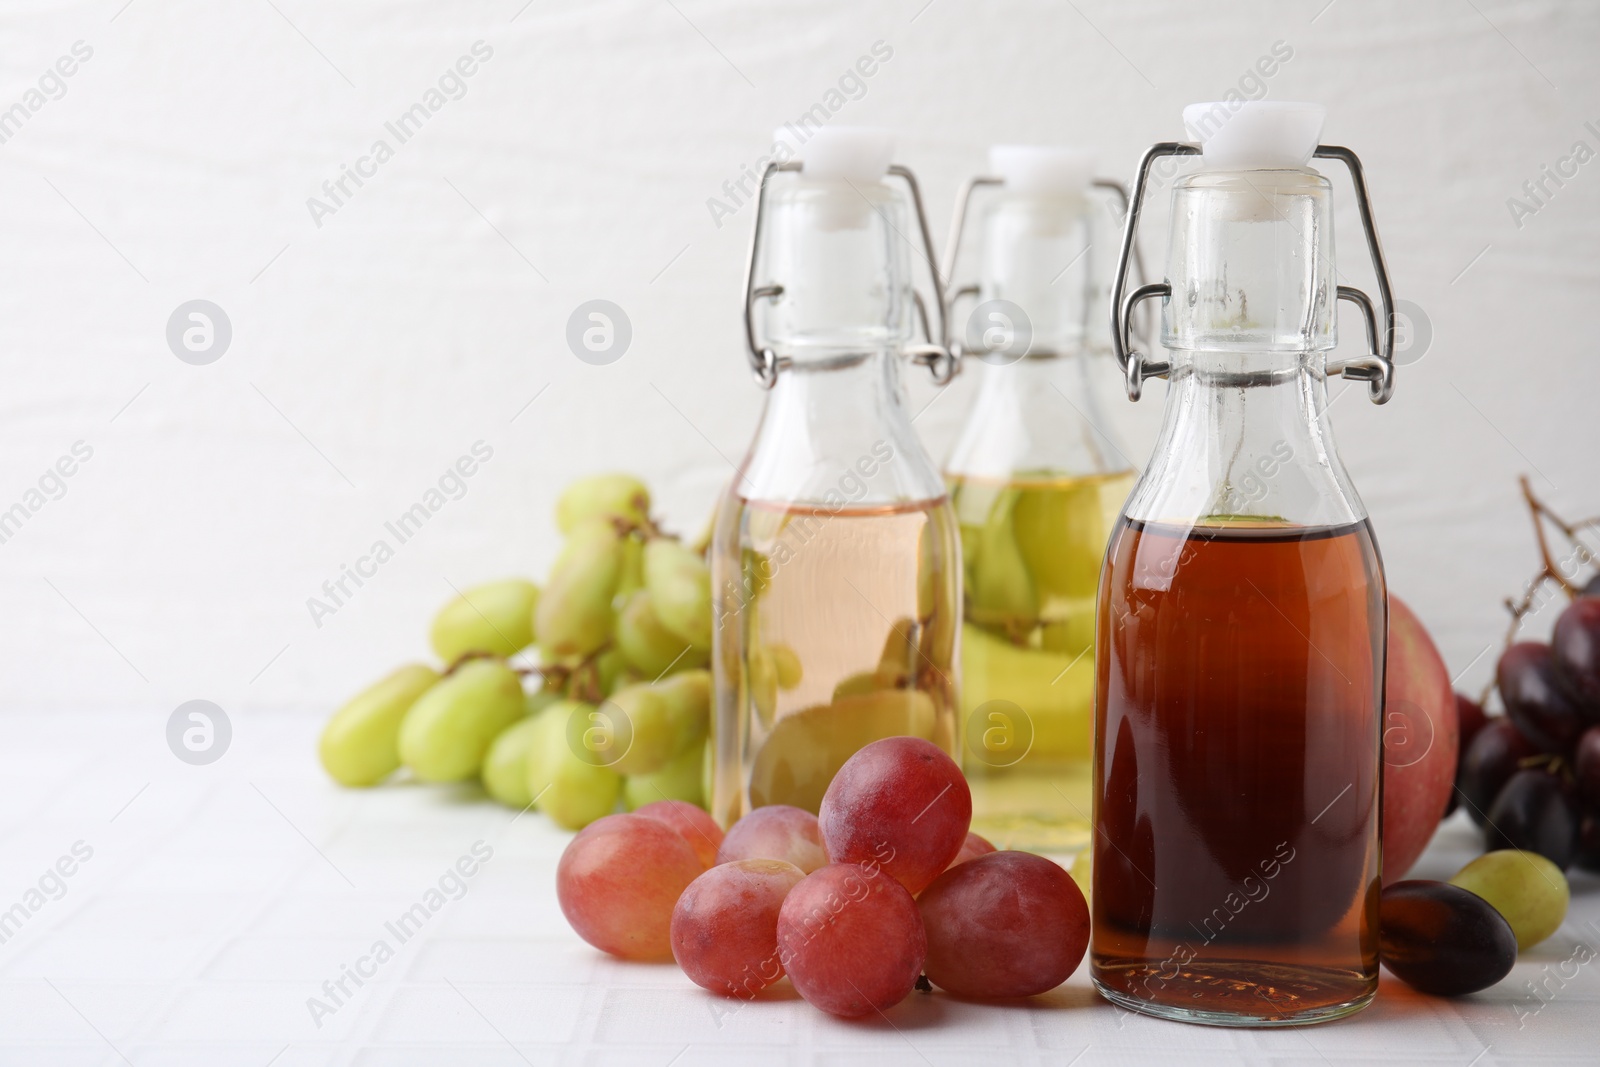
(576, 696)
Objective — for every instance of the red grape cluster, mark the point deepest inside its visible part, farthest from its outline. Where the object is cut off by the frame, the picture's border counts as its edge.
(885, 885)
(1531, 778)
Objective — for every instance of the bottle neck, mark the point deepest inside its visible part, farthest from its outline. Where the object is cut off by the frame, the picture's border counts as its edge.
(1248, 327)
(835, 433)
(835, 260)
(1039, 416)
(1246, 439)
(1039, 255)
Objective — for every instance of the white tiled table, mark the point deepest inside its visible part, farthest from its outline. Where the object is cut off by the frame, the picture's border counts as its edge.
(219, 899)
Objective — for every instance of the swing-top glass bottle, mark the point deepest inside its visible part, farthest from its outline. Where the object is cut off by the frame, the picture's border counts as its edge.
(1036, 479)
(1242, 610)
(835, 566)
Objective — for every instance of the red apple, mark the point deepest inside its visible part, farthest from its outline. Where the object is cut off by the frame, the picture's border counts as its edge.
(1421, 736)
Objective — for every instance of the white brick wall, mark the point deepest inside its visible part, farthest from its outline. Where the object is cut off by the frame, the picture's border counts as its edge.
(369, 353)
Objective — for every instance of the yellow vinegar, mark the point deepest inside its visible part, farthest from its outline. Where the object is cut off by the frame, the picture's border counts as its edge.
(1032, 547)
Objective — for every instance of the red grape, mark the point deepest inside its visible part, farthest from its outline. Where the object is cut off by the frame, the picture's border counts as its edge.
(725, 926)
(899, 804)
(690, 822)
(1007, 924)
(1586, 768)
(1537, 812)
(851, 939)
(973, 847)
(617, 883)
(776, 832)
(1488, 763)
(1536, 699)
(1575, 644)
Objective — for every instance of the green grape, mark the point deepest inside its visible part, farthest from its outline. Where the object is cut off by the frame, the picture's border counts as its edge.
(1070, 636)
(496, 619)
(897, 663)
(1002, 593)
(449, 729)
(678, 780)
(505, 768)
(610, 667)
(603, 496)
(539, 699)
(361, 743)
(574, 616)
(564, 785)
(647, 645)
(632, 578)
(762, 678)
(799, 758)
(664, 718)
(785, 666)
(1528, 890)
(680, 590)
(859, 684)
(756, 572)
(1061, 532)
(624, 680)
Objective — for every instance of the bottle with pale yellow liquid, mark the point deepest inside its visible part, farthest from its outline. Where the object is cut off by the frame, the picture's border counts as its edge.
(1037, 483)
(835, 566)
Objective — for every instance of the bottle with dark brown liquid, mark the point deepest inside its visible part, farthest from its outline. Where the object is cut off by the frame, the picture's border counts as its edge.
(1242, 621)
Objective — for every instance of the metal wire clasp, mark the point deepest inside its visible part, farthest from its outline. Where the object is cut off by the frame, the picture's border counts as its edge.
(958, 225)
(933, 354)
(1376, 368)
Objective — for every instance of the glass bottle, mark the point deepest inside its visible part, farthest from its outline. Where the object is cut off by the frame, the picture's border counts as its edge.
(1242, 611)
(1036, 480)
(835, 571)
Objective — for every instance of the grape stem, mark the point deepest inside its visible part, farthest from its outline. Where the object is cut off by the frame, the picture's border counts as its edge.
(555, 675)
(1550, 570)
(583, 678)
(646, 528)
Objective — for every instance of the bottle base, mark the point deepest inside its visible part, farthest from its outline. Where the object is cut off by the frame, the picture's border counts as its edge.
(1241, 993)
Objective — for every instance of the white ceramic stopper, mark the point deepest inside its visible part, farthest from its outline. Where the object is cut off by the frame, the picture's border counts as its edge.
(840, 153)
(1041, 169)
(1255, 134)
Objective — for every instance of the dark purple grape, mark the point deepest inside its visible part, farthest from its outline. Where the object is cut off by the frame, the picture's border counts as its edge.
(1588, 854)
(1586, 768)
(1575, 645)
(1536, 699)
(1488, 763)
(1591, 587)
(1470, 718)
(1441, 939)
(1537, 812)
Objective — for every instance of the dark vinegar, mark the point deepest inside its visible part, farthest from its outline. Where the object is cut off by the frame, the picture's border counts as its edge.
(1239, 695)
